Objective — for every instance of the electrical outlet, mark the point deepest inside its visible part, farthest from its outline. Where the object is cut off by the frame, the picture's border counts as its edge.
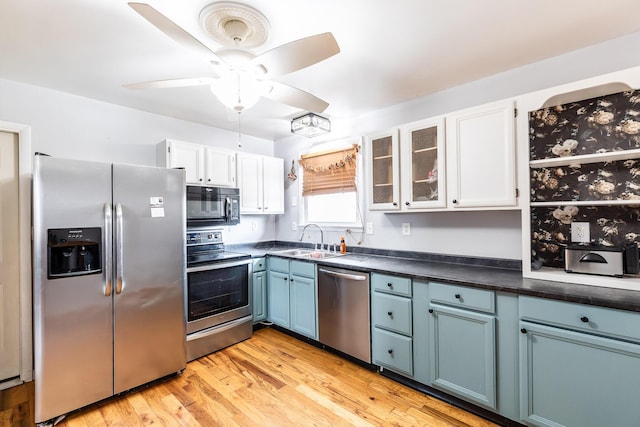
(369, 228)
(294, 226)
(406, 229)
(294, 201)
(580, 232)
(254, 226)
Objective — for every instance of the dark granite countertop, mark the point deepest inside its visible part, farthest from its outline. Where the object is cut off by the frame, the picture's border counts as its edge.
(500, 276)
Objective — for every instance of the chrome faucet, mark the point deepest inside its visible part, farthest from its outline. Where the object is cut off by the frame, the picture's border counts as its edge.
(321, 234)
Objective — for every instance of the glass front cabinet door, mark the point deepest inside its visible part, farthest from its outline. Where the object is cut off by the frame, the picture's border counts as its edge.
(383, 168)
(422, 163)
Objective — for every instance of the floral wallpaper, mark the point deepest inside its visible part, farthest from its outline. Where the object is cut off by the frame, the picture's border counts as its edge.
(609, 226)
(597, 125)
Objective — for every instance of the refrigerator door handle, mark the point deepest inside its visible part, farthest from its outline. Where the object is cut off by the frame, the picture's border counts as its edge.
(119, 251)
(108, 250)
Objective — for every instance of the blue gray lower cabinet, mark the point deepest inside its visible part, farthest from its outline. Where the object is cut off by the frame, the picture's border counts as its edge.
(292, 295)
(573, 372)
(259, 290)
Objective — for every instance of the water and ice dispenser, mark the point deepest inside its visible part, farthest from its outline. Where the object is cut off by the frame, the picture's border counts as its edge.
(74, 252)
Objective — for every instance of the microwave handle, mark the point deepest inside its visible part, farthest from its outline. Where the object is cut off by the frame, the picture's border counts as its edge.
(227, 210)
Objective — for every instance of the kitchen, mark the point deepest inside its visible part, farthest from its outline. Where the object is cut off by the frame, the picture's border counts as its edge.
(94, 130)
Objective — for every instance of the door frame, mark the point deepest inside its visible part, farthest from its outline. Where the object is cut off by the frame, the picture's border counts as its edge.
(24, 205)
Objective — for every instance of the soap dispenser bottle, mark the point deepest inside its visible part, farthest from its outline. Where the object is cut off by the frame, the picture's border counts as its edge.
(343, 246)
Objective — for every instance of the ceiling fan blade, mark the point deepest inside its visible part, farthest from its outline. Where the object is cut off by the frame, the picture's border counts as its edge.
(163, 84)
(297, 54)
(296, 98)
(176, 32)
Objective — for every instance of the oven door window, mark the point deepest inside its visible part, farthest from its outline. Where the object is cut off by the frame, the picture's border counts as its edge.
(217, 290)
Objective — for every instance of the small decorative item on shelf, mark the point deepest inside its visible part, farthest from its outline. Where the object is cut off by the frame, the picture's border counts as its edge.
(292, 173)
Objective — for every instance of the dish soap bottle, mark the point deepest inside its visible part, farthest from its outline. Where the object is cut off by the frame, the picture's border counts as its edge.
(343, 246)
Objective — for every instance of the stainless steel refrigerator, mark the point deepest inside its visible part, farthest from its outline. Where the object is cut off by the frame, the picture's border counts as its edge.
(109, 274)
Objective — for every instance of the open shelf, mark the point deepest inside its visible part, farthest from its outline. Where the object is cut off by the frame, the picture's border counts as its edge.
(587, 158)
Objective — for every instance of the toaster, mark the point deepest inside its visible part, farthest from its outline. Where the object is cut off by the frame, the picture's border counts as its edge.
(602, 260)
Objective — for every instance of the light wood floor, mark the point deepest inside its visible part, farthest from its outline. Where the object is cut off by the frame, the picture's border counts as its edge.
(274, 380)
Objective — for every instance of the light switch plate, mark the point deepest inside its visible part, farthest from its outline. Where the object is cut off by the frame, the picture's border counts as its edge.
(294, 226)
(369, 228)
(406, 229)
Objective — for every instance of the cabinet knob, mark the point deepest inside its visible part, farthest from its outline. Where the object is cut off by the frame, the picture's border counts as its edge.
(266, 207)
(584, 319)
(390, 351)
(455, 201)
(457, 296)
(390, 285)
(395, 203)
(390, 313)
(407, 203)
(286, 278)
(200, 179)
(523, 330)
(209, 180)
(431, 310)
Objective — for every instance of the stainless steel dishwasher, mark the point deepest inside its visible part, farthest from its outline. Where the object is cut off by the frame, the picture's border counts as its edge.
(343, 311)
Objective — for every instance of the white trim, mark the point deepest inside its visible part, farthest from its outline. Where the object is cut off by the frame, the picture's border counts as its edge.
(24, 199)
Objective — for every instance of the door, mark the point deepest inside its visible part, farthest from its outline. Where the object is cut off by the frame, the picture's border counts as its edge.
(273, 185)
(303, 305)
(463, 359)
(149, 231)
(190, 157)
(383, 166)
(72, 315)
(220, 167)
(278, 298)
(9, 258)
(250, 183)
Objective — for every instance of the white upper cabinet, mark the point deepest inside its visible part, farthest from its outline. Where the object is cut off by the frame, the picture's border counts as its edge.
(383, 169)
(422, 161)
(405, 167)
(219, 167)
(203, 165)
(481, 157)
(261, 183)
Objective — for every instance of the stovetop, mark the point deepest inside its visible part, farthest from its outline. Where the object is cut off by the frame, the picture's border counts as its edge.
(205, 246)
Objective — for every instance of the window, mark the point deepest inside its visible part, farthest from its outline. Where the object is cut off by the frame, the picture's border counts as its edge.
(329, 187)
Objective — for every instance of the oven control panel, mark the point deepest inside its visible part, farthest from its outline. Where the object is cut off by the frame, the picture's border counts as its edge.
(204, 237)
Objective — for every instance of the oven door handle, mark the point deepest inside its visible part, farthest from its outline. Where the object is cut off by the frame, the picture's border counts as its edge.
(218, 265)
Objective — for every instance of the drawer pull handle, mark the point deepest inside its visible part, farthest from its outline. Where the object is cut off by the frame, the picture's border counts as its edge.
(457, 296)
(390, 351)
(431, 310)
(523, 330)
(390, 313)
(390, 285)
(584, 319)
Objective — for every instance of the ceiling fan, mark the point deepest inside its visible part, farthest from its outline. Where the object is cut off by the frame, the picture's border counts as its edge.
(239, 76)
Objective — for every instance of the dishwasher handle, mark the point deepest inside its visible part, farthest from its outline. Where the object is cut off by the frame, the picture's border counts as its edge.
(342, 275)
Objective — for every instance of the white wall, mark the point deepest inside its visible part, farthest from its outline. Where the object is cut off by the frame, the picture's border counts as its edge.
(485, 234)
(65, 125)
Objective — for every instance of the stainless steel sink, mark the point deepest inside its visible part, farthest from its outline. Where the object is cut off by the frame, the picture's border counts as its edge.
(307, 253)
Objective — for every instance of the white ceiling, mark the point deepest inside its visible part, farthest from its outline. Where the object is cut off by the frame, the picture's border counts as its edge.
(391, 50)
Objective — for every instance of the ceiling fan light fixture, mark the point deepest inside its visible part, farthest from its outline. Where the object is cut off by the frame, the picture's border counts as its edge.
(238, 89)
(310, 125)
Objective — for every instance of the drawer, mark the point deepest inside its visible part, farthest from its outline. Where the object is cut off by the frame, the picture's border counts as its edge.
(259, 264)
(597, 320)
(279, 264)
(391, 284)
(391, 312)
(393, 351)
(302, 268)
(462, 296)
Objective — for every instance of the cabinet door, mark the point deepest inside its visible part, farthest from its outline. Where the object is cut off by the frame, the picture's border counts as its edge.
(220, 167)
(383, 170)
(481, 158)
(190, 157)
(278, 298)
(250, 183)
(574, 379)
(303, 305)
(462, 359)
(273, 185)
(259, 302)
(423, 164)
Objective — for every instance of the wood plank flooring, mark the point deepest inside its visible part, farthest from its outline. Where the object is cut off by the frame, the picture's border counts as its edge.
(273, 379)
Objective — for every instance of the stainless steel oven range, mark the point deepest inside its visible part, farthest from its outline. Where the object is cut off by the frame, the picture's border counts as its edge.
(218, 294)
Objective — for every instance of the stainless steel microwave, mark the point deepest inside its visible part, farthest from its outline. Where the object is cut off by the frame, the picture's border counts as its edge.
(208, 206)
